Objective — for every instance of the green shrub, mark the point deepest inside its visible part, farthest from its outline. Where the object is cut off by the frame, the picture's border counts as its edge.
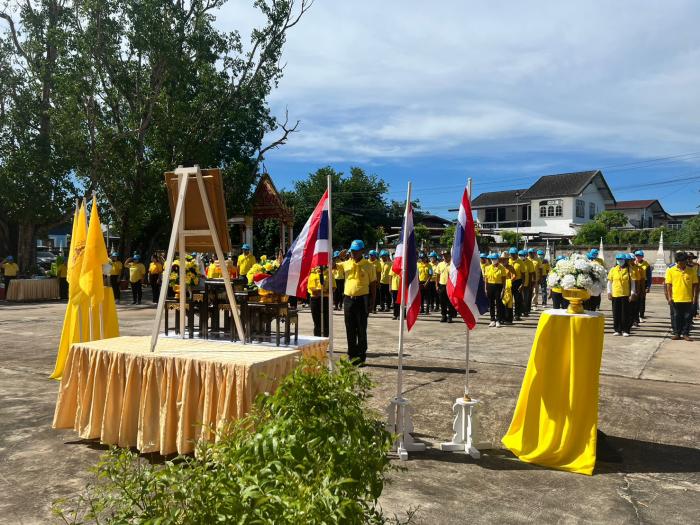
(308, 453)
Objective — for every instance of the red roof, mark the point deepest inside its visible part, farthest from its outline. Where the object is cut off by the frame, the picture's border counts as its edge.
(621, 205)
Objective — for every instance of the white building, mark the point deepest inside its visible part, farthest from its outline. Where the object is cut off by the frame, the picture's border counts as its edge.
(554, 206)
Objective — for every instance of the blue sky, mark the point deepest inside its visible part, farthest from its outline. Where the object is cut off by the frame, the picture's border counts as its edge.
(503, 92)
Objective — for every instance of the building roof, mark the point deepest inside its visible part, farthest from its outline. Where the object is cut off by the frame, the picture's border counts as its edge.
(565, 184)
(497, 198)
(633, 205)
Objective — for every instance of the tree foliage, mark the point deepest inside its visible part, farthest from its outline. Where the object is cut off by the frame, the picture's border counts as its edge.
(511, 237)
(611, 219)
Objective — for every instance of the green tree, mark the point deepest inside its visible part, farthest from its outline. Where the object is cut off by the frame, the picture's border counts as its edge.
(611, 219)
(448, 236)
(689, 234)
(422, 234)
(590, 233)
(510, 237)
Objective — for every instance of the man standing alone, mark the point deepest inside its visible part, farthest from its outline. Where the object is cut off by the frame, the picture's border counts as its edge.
(681, 289)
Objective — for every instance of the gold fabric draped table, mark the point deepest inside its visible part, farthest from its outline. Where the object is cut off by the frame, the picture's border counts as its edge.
(556, 416)
(27, 290)
(117, 391)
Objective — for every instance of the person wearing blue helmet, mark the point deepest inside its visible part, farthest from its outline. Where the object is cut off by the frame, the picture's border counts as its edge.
(495, 279)
(621, 291)
(137, 272)
(424, 274)
(10, 269)
(517, 267)
(534, 278)
(246, 260)
(115, 275)
(384, 281)
(432, 286)
(645, 271)
(339, 278)
(360, 288)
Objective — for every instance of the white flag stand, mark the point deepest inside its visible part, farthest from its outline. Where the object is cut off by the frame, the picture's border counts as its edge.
(178, 235)
(400, 413)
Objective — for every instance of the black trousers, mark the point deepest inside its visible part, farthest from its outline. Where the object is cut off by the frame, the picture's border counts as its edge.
(424, 303)
(63, 288)
(394, 298)
(136, 292)
(154, 281)
(316, 313)
(683, 313)
(446, 309)
(622, 314)
(592, 303)
(527, 299)
(7, 283)
(496, 306)
(338, 293)
(642, 300)
(385, 296)
(558, 301)
(517, 297)
(431, 292)
(543, 290)
(114, 283)
(356, 313)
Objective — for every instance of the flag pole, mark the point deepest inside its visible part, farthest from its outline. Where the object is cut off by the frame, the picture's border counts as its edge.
(466, 366)
(402, 309)
(89, 306)
(331, 364)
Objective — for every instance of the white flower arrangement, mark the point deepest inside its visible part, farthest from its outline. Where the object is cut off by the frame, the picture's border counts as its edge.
(578, 272)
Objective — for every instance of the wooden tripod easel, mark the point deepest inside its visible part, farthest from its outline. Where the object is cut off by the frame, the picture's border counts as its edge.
(178, 234)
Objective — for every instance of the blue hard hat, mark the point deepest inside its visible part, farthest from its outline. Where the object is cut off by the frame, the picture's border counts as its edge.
(513, 251)
(620, 256)
(531, 250)
(336, 253)
(10, 258)
(540, 252)
(522, 252)
(357, 245)
(594, 251)
(433, 254)
(483, 255)
(561, 257)
(493, 256)
(245, 246)
(640, 253)
(384, 253)
(629, 256)
(137, 257)
(373, 252)
(114, 254)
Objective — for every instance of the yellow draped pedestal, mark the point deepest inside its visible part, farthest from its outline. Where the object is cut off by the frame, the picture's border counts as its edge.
(555, 419)
(117, 391)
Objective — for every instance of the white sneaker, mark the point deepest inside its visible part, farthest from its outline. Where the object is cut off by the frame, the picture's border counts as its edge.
(616, 333)
(498, 325)
(642, 320)
(492, 324)
(625, 334)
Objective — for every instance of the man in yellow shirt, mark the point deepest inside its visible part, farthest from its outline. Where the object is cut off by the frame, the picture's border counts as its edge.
(115, 276)
(318, 289)
(424, 271)
(528, 277)
(544, 271)
(360, 282)
(385, 282)
(621, 291)
(137, 272)
(495, 279)
(535, 278)
(339, 279)
(375, 297)
(246, 260)
(447, 311)
(395, 282)
(62, 276)
(646, 270)
(433, 299)
(519, 271)
(681, 290)
(9, 270)
(155, 275)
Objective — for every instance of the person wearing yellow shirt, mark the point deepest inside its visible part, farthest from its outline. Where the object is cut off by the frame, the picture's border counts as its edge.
(621, 290)
(645, 284)
(593, 302)
(10, 269)
(495, 279)
(246, 260)
(339, 280)
(395, 284)
(385, 281)
(558, 301)
(155, 276)
(533, 265)
(424, 271)
(518, 269)
(543, 267)
(484, 262)
(374, 259)
(681, 289)
(317, 286)
(62, 276)
(115, 276)
(447, 311)
(509, 301)
(433, 299)
(137, 271)
(360, 282)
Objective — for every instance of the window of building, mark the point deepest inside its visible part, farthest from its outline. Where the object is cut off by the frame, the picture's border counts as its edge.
(559, 211)
(543, 211)
(495, 214)
(552, 208)
(591, 210)
(580, 208)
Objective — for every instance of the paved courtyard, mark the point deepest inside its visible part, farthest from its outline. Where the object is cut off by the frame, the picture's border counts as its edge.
(649, 408)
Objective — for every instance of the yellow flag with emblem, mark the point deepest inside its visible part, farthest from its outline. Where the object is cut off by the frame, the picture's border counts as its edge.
(94, 257)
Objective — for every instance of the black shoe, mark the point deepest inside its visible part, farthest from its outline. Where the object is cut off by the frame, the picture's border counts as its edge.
(449, 319)
(443, 320)
(134, 302)
(518, 318)
(395, 318)
(604, 452)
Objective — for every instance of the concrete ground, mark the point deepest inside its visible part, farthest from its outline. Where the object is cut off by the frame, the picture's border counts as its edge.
(649, 407)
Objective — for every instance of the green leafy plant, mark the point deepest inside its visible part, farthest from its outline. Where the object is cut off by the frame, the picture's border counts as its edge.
(309, 453)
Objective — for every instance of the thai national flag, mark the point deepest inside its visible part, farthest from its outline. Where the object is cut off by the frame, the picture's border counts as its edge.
(409, 254)
(465, 287)
(309, 249)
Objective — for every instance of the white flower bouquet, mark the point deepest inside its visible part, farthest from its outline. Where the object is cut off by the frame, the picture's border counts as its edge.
(578, 272)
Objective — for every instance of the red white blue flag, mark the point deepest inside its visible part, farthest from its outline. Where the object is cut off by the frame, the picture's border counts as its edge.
(465, 287)
(408, 254)
(309, 249)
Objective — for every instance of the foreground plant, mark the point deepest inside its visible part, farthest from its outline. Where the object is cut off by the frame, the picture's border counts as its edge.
(309, 453)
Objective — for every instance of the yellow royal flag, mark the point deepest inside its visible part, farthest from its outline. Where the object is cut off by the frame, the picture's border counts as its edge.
(75, 257)
(94, 257)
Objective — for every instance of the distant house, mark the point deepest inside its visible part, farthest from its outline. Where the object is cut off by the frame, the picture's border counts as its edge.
(642, 213)
(554, 206)
(676, 220)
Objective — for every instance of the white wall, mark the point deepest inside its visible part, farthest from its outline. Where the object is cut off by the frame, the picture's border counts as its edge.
(589, 194)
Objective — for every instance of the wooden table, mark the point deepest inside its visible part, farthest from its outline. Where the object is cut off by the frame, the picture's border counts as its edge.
(27, 290)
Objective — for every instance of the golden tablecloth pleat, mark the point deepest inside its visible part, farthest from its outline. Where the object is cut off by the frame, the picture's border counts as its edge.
(25, 290)
(555, 419)
(116, 391)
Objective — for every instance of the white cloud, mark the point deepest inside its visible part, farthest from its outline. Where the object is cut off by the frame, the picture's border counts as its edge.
(398, 79)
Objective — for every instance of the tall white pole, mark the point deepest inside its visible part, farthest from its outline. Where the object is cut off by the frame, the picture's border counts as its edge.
(402, 309)
(331, 365)
(466, 366)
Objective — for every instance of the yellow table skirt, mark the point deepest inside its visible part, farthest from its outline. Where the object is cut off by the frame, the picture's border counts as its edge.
(555, 419)
(117, 391)
(26, 290)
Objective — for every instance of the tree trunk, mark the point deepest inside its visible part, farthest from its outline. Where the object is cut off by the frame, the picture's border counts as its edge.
(26, 247)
